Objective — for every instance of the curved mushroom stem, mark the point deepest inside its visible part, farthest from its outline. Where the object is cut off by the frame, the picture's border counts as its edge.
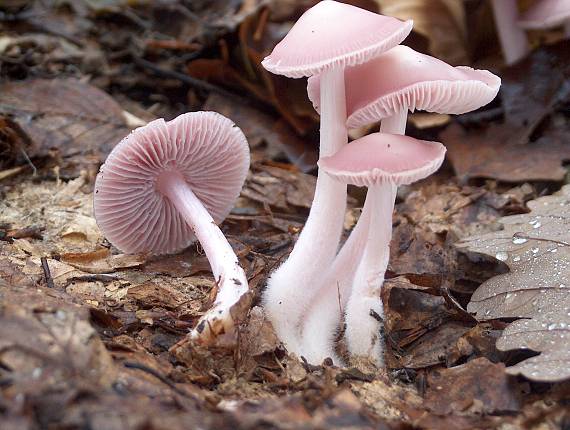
(323, 316)
(217, 324)
(513, 39)
(291, 287)
(364, 312)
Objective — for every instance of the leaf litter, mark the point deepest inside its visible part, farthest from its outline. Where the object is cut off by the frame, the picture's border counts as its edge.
(536, 248)
(64, 289)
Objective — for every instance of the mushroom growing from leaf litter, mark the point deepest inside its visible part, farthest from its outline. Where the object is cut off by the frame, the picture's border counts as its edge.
(381, 162)
(385, 89)
(326, 39)
(169, 183)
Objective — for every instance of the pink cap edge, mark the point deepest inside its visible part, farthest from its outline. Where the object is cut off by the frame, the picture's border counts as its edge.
(346, 60)
(366, 178)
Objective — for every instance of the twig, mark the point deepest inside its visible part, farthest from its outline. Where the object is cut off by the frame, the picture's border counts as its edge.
(47, 273)
(27, 158)
(189, 80)
(157, 375)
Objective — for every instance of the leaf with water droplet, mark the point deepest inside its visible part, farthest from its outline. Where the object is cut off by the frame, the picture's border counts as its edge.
(536, 248)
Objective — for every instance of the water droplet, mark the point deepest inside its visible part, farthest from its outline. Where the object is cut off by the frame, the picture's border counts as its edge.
(502, 256)
(519, 240)
(551, 326)
(535, 223)
(553, 250)
(516, 259)
(534, 250)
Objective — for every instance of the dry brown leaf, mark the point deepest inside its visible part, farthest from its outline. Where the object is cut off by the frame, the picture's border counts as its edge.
(45, 340)
(479, 386)
(61, 118)
(536, 248)
(495, 153)
(101, 261)
(442, 22)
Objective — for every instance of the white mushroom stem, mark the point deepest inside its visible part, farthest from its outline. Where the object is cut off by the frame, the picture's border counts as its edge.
(291, 286)
(362, 328)
(513, 39)
(364, 308)
(323, 316)
(229, 276)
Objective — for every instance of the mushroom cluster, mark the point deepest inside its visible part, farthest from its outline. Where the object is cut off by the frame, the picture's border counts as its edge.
(170, 183)
(357, 76)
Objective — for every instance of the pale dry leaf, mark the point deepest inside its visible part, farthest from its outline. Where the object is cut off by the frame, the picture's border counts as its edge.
(442, 22)
(101, 261)
(536, 248)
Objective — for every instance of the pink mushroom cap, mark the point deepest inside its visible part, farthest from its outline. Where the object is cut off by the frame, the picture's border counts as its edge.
(333, 34)
(381, 158)
(546, 14)
(205, 148)
(405, 79)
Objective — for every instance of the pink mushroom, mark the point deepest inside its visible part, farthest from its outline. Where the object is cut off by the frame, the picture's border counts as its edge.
(327, 38)
(417, 81)
(513, 39)
(403, 79)
(168, 184)
(380, 162)
(547, 14)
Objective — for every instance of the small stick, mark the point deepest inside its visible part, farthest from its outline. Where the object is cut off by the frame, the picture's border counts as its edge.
(156, 374)
(47, 273)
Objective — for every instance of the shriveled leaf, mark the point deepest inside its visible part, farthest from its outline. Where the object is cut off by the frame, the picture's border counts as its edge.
(442, 22)
(536, 248)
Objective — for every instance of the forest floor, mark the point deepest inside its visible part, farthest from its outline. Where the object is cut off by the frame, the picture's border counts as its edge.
(94, 339)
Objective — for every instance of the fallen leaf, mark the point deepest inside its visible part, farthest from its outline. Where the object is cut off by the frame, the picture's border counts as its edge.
(62, 119)
(491, 154)
(419, 325)
(477, 385)
(43, 335)
(151, 295)
(101, 261)
(548, 333)
(279, 188)
(527, 97)
(536, 249)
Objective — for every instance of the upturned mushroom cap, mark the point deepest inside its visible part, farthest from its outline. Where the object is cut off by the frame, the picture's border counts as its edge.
(384, 158)
(405, 79)
(546, 14)
(205, 148)
(333, 34)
